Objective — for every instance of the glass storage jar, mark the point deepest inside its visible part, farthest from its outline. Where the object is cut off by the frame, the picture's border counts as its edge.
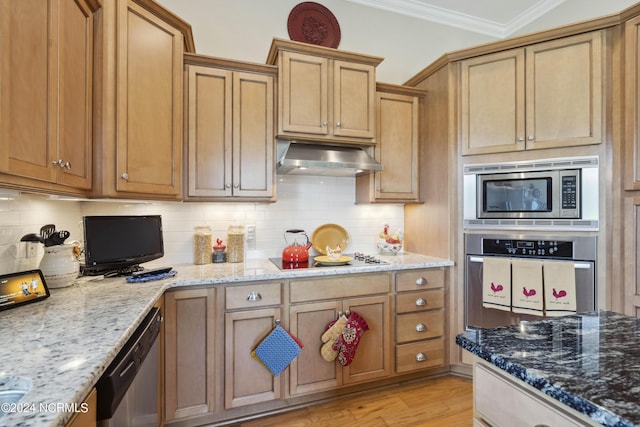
(235, 243)
(202, 245)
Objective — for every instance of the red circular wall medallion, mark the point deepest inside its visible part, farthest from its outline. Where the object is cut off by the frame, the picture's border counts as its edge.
(312, 23)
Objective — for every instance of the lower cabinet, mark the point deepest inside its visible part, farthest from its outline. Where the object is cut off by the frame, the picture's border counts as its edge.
(502, 400)
(210, 332)
(251, 312)
(420, 320)
(309, 371)
(189, 348)
(88, 418)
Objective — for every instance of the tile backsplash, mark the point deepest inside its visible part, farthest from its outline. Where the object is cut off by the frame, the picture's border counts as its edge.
(304, 202)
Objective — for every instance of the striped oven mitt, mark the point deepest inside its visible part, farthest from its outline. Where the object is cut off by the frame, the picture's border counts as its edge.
(277, 350)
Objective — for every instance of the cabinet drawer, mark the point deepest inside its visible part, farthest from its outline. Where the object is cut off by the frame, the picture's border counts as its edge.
(419, 326)
(420, 279)
(419, 301)
(257, 295)
(340, 287)
(419, 355)
(501, 401)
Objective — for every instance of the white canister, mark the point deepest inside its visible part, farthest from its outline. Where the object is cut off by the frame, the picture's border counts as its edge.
(60, 266)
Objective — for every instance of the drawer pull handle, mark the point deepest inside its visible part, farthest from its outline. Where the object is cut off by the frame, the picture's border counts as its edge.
(421, 357)
(254, 296)
(420, 302)
(541, 425)
(421, 327)
(421, 281)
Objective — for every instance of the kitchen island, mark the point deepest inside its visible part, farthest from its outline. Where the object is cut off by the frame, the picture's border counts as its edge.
(584, 366)
(62, 345)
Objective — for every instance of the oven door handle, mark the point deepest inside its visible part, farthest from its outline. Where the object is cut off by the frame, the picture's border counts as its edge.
(576, 265)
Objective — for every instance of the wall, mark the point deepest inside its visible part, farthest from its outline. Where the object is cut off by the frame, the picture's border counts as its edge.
(303, 202)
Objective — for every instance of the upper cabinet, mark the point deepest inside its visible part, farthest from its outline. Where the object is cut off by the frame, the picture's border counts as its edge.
(632, 103)
(230, 136)
(324, 94)
(546, 95)
(46, 82)
(397, 112)
(139, 96)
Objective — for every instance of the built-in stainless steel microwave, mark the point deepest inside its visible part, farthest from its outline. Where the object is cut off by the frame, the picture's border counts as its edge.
(552, 193)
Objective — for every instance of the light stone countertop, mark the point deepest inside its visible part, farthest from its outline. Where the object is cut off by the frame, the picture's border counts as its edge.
(63, 344)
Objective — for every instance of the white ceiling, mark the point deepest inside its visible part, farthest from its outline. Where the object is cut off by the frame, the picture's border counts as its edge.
(496, 18)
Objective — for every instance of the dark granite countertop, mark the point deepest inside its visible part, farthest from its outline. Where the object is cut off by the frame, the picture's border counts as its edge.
(590, 362)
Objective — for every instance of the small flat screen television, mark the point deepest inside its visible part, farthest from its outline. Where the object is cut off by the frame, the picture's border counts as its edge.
(119, 244)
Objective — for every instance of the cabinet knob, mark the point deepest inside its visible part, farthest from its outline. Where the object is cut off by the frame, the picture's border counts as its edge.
(421, 357)
(324, 123)
(421, 327)
(338, 124)
(58, 162)
(531, 138)
(67, 165)
(254, 296)
(236, 186)
(227, 186)
(420, 302)
(124, 176)
(521, 139)
(421, 281)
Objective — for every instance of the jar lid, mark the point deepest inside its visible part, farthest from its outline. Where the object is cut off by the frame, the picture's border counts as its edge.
(219, 246)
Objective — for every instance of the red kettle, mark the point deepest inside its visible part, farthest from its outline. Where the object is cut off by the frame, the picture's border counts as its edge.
(296, 252)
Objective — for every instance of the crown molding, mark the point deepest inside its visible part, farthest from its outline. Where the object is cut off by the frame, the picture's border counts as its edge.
(421, 10)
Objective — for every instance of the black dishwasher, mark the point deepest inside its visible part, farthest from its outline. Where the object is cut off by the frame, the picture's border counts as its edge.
(128, 389)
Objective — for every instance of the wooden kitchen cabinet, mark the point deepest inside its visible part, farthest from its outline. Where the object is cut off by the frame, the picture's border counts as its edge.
(309, 316)
(138, 93)
(631, 151)
(46, 78)
(190, 375)
(502, 400)
(420, 320)
(246, 380)
(397, 112)
(546, 95)
(230, 136)
(324, 94)
(89, 418)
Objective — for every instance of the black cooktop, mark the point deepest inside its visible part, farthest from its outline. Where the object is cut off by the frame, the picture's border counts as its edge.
(359, 260)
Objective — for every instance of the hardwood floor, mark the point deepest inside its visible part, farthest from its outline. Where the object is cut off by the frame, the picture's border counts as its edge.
(441, 402)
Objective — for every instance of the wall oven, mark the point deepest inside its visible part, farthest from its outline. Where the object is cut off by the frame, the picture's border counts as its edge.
(579, 249)
(550, 193)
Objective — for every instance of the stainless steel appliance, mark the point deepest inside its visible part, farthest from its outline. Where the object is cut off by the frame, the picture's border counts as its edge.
(551, 194)
(359, 260)
(580, 249)
(128, 389)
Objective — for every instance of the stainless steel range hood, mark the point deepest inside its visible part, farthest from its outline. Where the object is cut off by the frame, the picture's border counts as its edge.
(295, 158)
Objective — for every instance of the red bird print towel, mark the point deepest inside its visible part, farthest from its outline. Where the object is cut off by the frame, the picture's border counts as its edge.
(528, 297)
(559, 288)
(496, 283)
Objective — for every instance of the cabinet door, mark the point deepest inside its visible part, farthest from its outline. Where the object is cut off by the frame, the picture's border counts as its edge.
(564, 92)
(354, 87)
(28, 88)
(75, 75)
(253, 138)
(246, 380)
(632, 256)
(309, 371)
(209, 131)
(492, 115)
(149, 101)
(373, 355)
(189, 353)
(397, 147)
(303, 92)
(632, 104)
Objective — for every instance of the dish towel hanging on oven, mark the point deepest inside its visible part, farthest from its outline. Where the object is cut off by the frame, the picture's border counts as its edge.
(526, 279)
(496, 283)
(277, 350)
(559, 288)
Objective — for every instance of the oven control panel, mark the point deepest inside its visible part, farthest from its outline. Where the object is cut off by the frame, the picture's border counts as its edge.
(528, 248)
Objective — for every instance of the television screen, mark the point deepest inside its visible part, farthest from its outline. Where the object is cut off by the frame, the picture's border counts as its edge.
(121, 242)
